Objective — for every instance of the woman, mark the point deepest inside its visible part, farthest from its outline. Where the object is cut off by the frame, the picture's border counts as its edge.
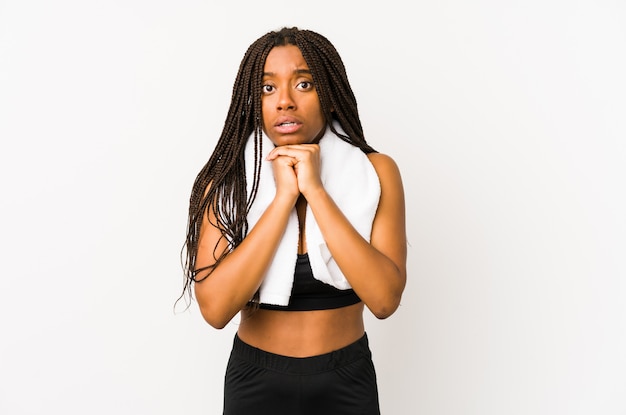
(296, 223)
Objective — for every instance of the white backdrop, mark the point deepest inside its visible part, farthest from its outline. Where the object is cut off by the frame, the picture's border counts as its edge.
(507, 120)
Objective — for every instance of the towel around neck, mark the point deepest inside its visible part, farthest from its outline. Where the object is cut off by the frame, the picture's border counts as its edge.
(349, 178)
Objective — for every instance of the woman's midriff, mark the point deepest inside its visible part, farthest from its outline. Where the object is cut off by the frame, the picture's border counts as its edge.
(302, 333)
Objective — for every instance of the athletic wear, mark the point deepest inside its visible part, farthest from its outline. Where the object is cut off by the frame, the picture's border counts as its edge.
(342, 382)
(309, 293)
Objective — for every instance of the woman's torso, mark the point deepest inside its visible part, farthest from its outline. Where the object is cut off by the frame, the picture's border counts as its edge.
(302, 333)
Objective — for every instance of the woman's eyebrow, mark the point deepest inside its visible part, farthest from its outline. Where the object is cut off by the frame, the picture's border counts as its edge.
(296, 71)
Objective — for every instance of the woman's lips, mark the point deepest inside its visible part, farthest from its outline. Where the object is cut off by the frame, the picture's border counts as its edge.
(288, 127)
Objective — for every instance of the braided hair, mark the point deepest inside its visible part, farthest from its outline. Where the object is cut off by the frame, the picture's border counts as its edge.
(221, 183)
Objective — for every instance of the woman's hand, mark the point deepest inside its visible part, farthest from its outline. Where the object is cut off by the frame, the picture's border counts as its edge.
(285, 177)
(304, 162)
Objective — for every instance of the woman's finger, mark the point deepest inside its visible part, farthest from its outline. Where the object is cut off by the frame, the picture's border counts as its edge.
(298, 152)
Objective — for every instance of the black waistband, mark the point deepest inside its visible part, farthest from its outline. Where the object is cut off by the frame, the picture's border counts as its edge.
(302, 365)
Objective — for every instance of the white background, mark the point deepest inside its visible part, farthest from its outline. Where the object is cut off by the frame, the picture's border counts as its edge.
(507, 119)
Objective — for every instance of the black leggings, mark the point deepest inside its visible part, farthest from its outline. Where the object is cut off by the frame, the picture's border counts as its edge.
(342, 382)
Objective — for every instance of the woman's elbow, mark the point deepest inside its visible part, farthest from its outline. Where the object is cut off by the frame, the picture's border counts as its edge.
(218, 319)
(383, 306)
(386, 307)
(385, 311)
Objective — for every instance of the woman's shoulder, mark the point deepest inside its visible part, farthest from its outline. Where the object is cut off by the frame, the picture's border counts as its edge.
(384, 165)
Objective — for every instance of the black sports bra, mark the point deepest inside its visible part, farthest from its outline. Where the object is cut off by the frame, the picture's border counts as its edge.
(309, 293)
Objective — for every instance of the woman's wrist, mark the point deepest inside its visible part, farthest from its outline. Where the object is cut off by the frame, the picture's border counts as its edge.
(286, 200)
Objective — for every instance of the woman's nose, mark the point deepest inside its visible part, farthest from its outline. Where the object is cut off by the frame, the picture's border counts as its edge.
(285, 100)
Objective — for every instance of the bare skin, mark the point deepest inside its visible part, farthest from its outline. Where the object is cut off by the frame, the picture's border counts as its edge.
(293, 120)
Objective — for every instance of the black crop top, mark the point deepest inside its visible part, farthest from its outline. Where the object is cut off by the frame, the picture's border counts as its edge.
(309, 293)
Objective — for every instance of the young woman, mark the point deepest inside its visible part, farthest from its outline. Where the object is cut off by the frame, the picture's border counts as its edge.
(296, 223)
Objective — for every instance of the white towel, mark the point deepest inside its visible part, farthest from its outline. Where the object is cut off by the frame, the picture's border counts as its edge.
(349, 178)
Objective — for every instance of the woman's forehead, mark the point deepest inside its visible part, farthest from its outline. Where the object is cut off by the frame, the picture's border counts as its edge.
(284, 58)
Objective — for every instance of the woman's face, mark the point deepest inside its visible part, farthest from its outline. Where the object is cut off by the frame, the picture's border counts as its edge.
(291, 108)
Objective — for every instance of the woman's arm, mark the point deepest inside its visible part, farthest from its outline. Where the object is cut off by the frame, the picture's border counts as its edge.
(378, 275)
(230, 285)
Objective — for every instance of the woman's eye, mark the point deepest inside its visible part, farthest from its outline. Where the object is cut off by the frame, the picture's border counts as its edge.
(267, 89)
(305, 85)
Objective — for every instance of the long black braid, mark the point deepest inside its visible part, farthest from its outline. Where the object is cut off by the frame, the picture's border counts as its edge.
(221, 184)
